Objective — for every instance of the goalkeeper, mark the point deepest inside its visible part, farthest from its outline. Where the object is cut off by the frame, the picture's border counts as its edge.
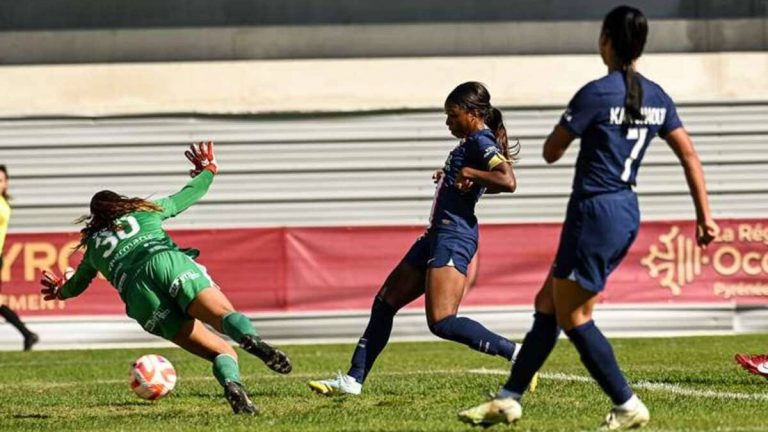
(163, 288)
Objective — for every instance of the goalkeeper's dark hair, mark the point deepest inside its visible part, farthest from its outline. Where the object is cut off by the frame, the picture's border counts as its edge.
(106, 207)
(627, 28)
(4, 170)
(474, 97)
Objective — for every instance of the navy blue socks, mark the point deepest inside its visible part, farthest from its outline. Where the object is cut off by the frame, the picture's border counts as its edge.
(537, 345)
(374, 339)
(597, 356)
(472, 334)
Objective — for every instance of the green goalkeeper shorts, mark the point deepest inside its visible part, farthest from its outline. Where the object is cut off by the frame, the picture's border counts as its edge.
(160, 292)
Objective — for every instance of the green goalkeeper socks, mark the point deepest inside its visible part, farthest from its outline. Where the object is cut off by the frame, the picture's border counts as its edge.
(225, 369)
(237, 325)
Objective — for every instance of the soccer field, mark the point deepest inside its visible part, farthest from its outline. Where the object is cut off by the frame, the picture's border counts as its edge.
(688, 383)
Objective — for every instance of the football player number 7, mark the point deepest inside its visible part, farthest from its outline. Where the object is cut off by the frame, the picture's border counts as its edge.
(638, 134)
(110, 239)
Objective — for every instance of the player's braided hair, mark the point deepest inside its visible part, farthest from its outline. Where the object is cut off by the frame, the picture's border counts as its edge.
(4, 170)
(472, 96)
(106, 208)
(627, 29)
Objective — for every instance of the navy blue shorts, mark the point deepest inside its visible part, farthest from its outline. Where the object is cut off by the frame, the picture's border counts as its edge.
(441, 249)
(596, 236)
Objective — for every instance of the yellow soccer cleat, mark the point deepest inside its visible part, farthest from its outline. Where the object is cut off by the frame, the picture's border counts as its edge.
(506, 410)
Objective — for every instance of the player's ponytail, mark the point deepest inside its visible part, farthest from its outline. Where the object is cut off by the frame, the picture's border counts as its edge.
(627, 28)
(495, 120)
(473, 97)
(106, 207)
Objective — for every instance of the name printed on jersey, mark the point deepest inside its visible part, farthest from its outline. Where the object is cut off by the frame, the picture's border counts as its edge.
(653, 116)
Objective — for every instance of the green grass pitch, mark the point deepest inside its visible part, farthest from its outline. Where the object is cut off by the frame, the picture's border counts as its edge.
(689, 384)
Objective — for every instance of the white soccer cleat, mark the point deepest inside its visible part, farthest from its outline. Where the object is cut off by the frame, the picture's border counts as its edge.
(341, 385)
(620, 419)
(507, 410)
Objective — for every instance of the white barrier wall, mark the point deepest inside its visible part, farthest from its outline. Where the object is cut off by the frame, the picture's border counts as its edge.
(410, 325)
(248, 87)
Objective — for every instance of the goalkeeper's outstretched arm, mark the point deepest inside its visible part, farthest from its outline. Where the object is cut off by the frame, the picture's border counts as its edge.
(72, 284)
(205, 168)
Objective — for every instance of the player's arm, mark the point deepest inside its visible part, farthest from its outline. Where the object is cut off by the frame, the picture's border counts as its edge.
(499, 179)
(557, 143)
(72, 284)
(205, 168)
(581, 113)
(681, 144)
(497, 176)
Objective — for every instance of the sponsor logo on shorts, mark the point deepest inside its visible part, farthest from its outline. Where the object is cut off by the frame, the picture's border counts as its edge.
(156, 318)
(184, 277)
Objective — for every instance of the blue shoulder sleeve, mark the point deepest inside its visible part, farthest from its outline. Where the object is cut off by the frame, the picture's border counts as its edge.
(582, 110)
(485, 152)
(671, 120)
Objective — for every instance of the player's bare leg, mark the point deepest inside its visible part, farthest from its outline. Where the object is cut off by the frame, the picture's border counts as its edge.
(213, 308)
(445, 289)
(197, 339)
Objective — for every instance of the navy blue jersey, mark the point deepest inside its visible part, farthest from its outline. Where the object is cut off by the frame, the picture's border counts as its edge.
(611, 151)
(453, 209)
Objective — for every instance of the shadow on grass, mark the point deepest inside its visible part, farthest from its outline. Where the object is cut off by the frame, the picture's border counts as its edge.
(125, 404)
(31, 416)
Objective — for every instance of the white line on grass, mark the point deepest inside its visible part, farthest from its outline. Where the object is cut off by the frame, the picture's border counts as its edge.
(557, 376)
(647, 385)
(54, 384)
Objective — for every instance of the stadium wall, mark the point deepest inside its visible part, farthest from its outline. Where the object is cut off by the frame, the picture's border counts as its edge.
(251, 87)
(297, 193)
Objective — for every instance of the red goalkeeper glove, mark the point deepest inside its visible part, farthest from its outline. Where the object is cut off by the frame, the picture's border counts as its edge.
(202, 157)
(52, 284)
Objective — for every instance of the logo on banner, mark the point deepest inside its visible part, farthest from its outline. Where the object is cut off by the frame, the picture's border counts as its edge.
(739, 252)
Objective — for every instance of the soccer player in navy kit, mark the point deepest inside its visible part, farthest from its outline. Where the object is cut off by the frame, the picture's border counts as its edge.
(436, 265)
(616, 117)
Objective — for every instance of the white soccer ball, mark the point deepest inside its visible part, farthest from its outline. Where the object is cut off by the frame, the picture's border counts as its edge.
(152, 376)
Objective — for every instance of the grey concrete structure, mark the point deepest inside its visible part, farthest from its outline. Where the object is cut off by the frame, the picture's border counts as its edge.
(68, 31)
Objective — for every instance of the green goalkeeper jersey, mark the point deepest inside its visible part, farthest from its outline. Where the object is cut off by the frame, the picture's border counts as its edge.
(118, 254)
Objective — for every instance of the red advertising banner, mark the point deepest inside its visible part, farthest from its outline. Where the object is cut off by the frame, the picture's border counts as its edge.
(301, 269)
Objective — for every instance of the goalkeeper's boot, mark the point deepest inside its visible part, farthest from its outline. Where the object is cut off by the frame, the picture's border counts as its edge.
(29, 340)
(341, 385)
(619, 419)
(271, 356)
(496, 410)
(238, 399)
(755, 364)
